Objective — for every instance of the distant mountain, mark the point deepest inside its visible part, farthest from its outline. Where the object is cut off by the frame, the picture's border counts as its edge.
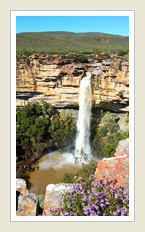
(64, 42)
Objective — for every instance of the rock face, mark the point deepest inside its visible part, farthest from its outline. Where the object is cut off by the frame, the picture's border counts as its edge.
(20, 183)
(26, 203)
(116, 167)
(53, 191)
(27, 206)
(57, 80)
(123, 148)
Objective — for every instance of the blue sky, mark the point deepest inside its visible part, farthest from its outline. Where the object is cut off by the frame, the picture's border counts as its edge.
(118, 25)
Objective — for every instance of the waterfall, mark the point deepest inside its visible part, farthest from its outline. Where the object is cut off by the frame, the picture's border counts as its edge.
(82, 145)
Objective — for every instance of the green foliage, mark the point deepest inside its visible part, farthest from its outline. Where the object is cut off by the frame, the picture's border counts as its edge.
(36, 134)
(48, 109)
(82, 59)
(36, 124)
(55, 124)
(109, 121)
(41, 200)
(107, 55)
(31, 109)
(112, 143)
(78, 58)
(97, 52)
(27, 53)
(103, 131)
(42, 122)
(122, 53)
(126, 117)
(20, 117)
(87, 170)
(107, 135)
(67, 178)
(109, 150)
(84, 172)
(126, 134)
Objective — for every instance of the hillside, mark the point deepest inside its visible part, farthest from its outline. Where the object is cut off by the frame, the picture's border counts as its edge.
(64, 42)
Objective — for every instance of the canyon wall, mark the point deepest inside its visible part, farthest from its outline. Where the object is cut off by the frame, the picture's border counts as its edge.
(56, 79)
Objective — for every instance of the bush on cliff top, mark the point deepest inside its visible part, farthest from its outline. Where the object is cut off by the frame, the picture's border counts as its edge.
(96, 198)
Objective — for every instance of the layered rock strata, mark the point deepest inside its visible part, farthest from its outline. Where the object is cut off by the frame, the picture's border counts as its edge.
(56, 79)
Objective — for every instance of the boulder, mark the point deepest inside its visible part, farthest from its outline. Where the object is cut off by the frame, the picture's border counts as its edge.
(26, 203)
(20, 183)
(26, 206)
(123, 148)
(21, 186)
(116, 168)
(53, 192)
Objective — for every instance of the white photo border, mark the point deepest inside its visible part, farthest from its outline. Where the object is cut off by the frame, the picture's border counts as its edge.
(131, 14)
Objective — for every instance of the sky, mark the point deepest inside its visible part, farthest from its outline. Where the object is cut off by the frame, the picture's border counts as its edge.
(118, 25)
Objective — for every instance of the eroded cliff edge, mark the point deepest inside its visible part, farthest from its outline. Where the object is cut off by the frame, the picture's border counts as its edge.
(56, 79)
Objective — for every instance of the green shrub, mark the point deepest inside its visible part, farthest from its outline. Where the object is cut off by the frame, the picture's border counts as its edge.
(78, 58)
(20, 118)
(48, 109)
(87, 170)
(109, 150)
(110, 139)
(41, 200)
(112, 143)
(107, 55)
(82, 59)
(67, 178)
(109, 121)
(103, 131)
(126, 134)
(84, 172)
(126, 117)
(42, 122)
(117, 137)
(27, 53)
(97, 52)
(122, 53)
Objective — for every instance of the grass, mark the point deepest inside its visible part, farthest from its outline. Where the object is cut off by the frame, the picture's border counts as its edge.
(64, 42)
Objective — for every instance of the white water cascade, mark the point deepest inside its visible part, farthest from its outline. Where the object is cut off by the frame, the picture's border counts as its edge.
(82, 146)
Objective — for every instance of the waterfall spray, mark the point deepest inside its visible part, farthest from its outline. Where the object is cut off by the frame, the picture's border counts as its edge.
(82, 146)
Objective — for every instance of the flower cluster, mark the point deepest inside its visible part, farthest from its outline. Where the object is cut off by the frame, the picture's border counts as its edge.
(95, 198)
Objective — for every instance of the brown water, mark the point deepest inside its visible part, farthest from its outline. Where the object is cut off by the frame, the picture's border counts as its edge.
(51, 170)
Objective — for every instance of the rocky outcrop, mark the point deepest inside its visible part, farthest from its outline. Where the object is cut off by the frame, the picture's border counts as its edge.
(26, 203)
(123, 148)
(53, 192)
(116, 167)
(20, 184)
(56, 79)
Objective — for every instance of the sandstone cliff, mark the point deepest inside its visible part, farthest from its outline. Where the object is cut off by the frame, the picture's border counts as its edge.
(56, 79)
